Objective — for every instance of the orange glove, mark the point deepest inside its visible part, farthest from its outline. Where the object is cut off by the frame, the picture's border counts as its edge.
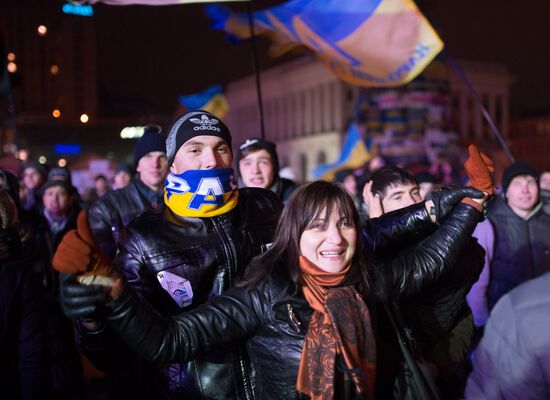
(479, 168)
(79, 253)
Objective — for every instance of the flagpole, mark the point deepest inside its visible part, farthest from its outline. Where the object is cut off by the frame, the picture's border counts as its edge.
(256, 66)
(454, 65)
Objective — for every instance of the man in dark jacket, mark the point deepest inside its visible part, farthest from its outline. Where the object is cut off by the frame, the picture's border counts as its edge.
(440, 320)
(117, 208)
(515, 237)
(179, 255)
(258, 164)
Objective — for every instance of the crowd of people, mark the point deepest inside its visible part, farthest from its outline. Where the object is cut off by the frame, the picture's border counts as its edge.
(204, 275)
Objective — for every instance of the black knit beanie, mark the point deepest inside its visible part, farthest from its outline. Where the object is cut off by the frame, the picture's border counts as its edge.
(255, 144)
(194, 123)
(515, 169)
(152, 140)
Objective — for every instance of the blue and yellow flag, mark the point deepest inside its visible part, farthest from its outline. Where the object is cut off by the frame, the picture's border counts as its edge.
(372, 43)
(354, 155)
(211, 100)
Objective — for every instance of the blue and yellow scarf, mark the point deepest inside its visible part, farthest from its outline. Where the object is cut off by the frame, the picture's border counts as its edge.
(201, 193)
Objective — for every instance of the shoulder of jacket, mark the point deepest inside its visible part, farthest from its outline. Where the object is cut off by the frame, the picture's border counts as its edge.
(259, 198)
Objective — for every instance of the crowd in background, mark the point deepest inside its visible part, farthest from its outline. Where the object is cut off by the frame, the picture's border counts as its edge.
(475, 334)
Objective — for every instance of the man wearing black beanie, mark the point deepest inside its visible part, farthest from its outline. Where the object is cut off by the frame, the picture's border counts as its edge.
(258, 164)
(515, 237)
(182, 254)
(113, 211)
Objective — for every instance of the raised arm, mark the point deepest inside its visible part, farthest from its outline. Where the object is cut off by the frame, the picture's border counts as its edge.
(417, 267)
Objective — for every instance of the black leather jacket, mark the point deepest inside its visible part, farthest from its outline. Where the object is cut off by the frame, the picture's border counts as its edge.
(209, 253)
(273, 318)
(112, 212)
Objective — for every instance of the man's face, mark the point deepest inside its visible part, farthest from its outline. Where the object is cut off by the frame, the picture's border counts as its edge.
(545, 180)
(56, 200)
(152, 168)
(101, 185)
(257, 169)
(32, 178)
(202, 152)
(400, 196)
(122, 179)
(522, 194)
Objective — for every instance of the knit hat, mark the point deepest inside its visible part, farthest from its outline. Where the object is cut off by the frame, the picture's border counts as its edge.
(152, 140)
(194, 123)
(254, 144)
(42, 170)
(60, 174)
(124, 167)
(58, 182)
(515, 169)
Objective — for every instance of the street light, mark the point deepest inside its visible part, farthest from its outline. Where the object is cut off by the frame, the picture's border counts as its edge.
(84, 118)
(42, 30)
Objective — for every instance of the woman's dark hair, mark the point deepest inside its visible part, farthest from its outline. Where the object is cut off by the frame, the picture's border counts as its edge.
(303, 206)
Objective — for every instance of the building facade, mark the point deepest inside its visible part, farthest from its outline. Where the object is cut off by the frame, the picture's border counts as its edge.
(306, 109)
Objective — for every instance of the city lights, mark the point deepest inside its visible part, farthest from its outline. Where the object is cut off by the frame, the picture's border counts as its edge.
(11, 67)
(11, 56)
(23, 155)
(62, 162)
(42, 30)
(84, 118)
(56, 113)
(132, 132)
(54, 69)
(42, 159)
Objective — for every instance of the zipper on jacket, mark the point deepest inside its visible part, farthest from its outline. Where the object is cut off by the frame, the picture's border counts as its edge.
(292, 317)
(230, 254)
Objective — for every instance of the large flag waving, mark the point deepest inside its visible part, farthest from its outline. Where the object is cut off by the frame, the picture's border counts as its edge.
(210, 99)
(354, 155)
(364, 42)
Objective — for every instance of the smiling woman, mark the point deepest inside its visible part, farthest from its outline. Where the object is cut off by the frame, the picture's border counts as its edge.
(304, 308)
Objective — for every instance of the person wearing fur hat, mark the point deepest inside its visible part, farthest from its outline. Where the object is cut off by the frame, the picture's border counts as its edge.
(113, 211)
(515, 237)
(258, 165)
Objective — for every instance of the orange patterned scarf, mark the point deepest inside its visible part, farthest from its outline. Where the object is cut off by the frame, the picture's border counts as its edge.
(340, 326)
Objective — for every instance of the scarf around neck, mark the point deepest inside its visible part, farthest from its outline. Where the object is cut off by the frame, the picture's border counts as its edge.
(201, 193)
(339, 327)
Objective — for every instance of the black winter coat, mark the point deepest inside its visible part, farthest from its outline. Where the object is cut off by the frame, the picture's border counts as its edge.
(273, 317)
(24, 370)
(209, 254)
(112, 212)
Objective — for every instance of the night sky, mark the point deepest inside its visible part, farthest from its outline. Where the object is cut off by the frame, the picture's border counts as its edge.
(147, 56)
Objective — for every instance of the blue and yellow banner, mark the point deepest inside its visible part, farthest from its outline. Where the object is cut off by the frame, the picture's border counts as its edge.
(354, 155)
(211, 99)
(372, 43)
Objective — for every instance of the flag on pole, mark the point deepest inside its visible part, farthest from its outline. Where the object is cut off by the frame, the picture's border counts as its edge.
(210, 99)
(354, 155)
(152, 2)
(371, 43)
